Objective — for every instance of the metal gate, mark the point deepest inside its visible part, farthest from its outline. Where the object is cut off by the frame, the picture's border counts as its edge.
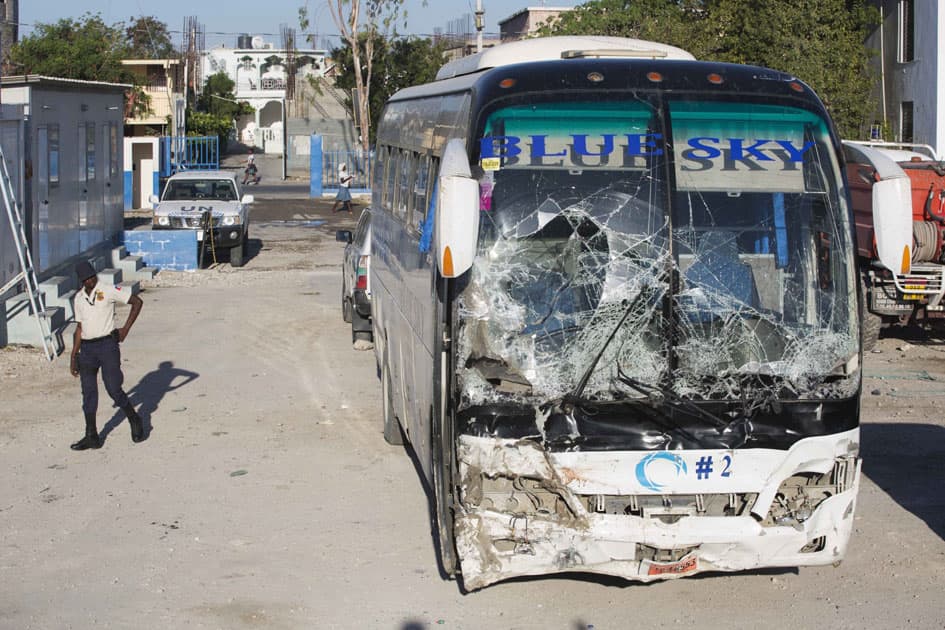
(189, 153)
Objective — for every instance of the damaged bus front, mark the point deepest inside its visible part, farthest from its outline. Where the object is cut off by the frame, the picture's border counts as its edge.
(654, 356)
(658, 356)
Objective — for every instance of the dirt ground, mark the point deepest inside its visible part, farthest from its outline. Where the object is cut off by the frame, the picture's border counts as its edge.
(266, 497)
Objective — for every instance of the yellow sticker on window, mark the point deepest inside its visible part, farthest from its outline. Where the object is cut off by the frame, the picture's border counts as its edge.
(491, 164)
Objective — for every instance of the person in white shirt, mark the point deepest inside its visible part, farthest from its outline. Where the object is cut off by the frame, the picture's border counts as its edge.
(250, 172)
(344, 192)
(95, 346)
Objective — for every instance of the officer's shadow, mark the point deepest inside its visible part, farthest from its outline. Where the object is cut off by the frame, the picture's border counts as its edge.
(147, 394)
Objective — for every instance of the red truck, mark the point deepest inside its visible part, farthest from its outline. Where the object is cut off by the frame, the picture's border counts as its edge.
(898, 197)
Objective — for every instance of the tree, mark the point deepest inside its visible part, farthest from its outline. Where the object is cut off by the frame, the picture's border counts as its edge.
(818, 41)
(218, 98)
(398, 63)
(369, 18)
(86, 49)
(217, 108)
(148, 38)
(667, 21)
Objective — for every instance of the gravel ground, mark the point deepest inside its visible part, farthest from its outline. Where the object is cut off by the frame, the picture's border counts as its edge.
(265, 496)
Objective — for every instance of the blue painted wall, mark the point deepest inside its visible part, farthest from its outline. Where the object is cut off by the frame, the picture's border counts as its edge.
(129, 189)
(315, 166)
(173, 250)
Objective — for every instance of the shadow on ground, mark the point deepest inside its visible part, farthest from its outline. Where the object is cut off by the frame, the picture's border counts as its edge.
(147, 394)
(906, 461)
(926, 336)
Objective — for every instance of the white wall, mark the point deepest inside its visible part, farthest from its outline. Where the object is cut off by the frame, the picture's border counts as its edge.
(921, 80)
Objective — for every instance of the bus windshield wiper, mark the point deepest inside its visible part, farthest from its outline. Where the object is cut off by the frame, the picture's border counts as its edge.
(561, 427)
(740, 425)
(576, 395)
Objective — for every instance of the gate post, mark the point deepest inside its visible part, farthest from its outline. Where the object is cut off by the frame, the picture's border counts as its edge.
(315, 167)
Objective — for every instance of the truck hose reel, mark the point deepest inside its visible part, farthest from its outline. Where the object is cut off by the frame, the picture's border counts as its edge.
(927, 241)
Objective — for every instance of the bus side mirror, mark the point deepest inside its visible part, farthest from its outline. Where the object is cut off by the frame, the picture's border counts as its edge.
(456, 225)
(892, 223)
(153, 199)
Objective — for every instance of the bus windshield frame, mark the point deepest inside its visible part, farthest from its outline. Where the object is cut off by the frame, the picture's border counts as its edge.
(654, 246)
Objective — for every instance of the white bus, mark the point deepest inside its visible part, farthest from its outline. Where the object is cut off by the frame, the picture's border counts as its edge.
(616, 312)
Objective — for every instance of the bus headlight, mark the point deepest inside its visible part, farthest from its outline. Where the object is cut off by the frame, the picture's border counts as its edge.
(162, 220)
(232, 219)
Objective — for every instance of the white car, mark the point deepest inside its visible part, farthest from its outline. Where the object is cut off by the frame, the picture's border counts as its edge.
(356, 278)
(206, 201)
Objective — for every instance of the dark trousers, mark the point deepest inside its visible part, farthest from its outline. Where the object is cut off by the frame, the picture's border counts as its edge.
(106, 355)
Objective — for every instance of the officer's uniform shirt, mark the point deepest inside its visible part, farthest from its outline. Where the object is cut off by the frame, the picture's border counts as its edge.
(96, 310)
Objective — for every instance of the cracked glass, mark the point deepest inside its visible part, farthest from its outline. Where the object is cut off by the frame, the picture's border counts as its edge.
(643, 248)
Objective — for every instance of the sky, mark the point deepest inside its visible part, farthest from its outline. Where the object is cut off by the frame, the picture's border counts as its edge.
(224, 20)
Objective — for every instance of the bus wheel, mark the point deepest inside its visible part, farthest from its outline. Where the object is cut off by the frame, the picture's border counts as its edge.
(444, 506)
(392, 433)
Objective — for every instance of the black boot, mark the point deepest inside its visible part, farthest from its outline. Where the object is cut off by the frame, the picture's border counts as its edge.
(91, 439)
(137, 425)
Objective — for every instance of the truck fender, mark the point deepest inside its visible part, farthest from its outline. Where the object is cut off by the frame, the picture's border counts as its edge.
(892, 208)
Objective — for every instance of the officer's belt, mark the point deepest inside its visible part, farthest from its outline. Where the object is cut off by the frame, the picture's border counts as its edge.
(97, 339)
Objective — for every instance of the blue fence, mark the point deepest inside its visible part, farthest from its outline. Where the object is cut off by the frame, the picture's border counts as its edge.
(188, 153)
(359, 166)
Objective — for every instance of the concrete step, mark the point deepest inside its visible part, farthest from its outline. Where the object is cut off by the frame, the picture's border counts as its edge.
(146, 273)
(63, 301)
(118, 253)
(129, 265)
(22, 327)
(56, 287)
(130, 285)
(111, 276)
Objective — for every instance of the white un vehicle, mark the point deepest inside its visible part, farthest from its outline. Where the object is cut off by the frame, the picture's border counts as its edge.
(615, 312)
(210, 203)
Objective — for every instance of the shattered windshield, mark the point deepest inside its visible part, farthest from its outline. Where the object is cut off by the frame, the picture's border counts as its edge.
(698, 247)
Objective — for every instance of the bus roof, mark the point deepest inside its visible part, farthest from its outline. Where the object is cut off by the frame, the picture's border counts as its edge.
(565, 47)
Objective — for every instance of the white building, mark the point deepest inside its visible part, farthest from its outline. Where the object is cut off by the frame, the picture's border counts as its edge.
(911, 69)
(258, 69)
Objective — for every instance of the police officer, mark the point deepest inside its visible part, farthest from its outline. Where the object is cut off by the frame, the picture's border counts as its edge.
(95, 345)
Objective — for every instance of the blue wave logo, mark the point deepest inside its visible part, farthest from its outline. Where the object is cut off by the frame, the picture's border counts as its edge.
(642, 468)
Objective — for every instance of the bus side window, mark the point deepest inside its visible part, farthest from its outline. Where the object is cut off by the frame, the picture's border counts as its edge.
(393, 161)
(380, 168)
(420, 191)
(404, 187)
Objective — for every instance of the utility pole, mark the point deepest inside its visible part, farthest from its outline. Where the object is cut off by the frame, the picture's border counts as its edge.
(479, 25)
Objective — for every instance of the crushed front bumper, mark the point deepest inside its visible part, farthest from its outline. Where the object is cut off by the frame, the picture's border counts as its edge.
(495, 544)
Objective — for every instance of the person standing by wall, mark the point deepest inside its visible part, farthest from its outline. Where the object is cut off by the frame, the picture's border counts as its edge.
(344, 192)
(95, 346)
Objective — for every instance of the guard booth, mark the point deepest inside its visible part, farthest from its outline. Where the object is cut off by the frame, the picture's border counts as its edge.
(69, 162)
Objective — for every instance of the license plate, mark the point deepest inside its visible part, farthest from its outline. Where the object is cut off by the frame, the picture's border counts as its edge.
(912, 296)
(199, 235)
(686, 565)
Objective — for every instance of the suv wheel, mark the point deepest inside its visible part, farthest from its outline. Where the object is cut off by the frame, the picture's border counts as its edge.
(238, 252)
